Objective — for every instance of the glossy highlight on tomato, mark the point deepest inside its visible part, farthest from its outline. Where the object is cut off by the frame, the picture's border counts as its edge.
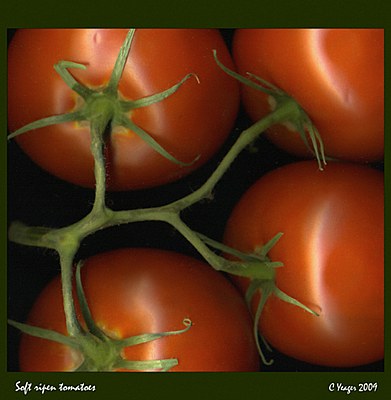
(336, 75)
(332, 249)
(191, 124)
(138, 290)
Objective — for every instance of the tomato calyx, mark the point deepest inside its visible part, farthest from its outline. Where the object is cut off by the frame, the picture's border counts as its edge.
(260, 269)
(98, 350)
(294, 116)
(267, 288)
(105, 107)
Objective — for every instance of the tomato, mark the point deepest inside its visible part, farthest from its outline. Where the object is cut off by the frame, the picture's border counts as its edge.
(135, 291)
(332, 250)
(191, 123)
(336, 75)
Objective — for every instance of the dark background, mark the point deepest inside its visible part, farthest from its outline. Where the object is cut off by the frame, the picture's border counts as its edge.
(37, 198)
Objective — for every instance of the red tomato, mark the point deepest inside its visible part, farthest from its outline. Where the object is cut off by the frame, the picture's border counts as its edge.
(135, 291)
(192, 122)
(332, 250)
(336, 75)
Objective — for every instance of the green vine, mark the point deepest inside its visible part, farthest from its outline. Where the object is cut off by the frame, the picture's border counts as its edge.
(104, 109)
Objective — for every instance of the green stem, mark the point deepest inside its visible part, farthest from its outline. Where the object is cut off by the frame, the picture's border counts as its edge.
(84, 307)
(97, 143)
(38, 236)
(66, 261)
(212, 259)
(282, 113)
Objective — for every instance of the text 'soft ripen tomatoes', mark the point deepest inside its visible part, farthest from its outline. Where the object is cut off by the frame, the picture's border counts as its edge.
(136, 291)
(336, 75)
(332, 250)
(191, 123)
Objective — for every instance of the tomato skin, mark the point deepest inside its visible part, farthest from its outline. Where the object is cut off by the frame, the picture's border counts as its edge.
(336, 75)
(135, 291)
(332, 249)
(193, 122)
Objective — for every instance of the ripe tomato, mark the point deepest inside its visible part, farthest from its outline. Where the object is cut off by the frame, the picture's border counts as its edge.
(336, 75)
(332, 250)
(192, 122)
(135, 291)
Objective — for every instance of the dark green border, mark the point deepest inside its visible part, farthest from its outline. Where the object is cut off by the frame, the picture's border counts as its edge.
(183, 13)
